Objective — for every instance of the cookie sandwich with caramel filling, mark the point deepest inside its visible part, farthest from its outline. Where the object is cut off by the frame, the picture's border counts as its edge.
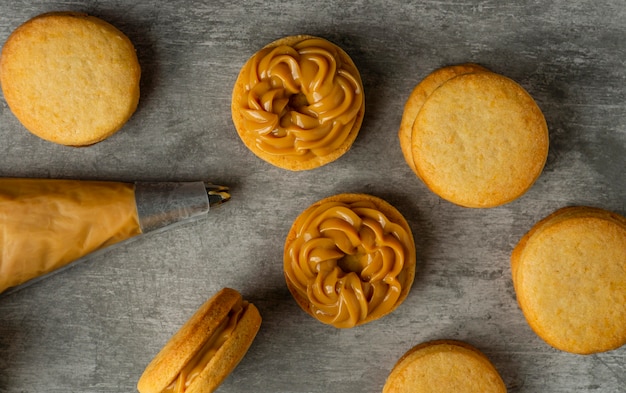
(206, 348)
(474, 137)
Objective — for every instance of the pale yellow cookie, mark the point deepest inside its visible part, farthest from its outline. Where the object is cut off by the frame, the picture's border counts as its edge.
(298, 103)
(70, 78)
(419, 95)
(349, 259)
(569, 274)
(479, 140)
(206, 349)
(444, 366)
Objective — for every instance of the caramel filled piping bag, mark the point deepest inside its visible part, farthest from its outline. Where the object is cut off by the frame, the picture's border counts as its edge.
(47, 224)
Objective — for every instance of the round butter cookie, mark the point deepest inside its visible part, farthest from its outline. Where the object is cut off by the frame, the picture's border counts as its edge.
(349, 259)
(479, 140)
(206, 349)
(70, 78)
(444, 366)
(298, 103)
(569, 274)
(418, 97)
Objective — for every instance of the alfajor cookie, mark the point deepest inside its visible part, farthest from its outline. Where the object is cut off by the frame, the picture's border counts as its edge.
(206, 349)
(298, 103)
(569, 274)
(478, 139)
(444, 366)
(349, 259)
(70, 78)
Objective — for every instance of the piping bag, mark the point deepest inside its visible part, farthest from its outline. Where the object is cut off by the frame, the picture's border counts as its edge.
(46, 224)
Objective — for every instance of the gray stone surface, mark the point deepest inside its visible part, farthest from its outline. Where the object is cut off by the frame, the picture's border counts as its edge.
(94, 327)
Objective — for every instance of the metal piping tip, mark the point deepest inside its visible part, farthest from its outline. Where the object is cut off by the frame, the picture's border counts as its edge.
(217, 194)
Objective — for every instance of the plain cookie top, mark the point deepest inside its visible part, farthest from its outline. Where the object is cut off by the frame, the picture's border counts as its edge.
(70, 78)
(480, 140)
(444, 366)
(569, 273)
(418, 97)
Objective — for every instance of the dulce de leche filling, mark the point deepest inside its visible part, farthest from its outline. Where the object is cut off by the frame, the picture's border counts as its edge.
(302, 100)
(45, 224)
(199, 361)
(347, 259)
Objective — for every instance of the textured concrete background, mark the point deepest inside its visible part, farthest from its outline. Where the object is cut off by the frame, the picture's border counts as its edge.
(94, 327)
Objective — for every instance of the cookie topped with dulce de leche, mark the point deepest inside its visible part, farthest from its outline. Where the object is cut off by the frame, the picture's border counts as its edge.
(298, 103)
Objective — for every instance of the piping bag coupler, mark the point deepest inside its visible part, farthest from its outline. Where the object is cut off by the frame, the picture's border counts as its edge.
(47, 224)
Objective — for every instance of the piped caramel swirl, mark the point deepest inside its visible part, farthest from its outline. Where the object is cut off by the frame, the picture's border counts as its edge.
(350, 260)
(301, 100)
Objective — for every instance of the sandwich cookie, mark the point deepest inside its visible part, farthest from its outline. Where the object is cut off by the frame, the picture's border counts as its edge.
(569, 275)
(444, 366)
(70, 78)
(477, 139)
(206, 348)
